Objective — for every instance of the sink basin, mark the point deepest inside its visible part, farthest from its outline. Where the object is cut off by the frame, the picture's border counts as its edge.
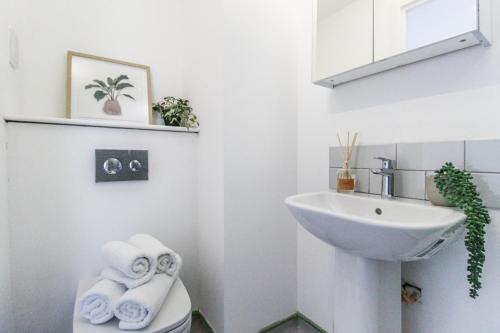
(367, 226)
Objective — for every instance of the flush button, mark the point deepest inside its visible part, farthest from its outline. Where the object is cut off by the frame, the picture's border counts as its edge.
(112, 166)
(118, 165)
(135, 166)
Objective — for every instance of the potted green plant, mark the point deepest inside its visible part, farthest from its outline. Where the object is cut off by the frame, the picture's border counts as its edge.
(112, 89)
(176, 112)
(458, 188)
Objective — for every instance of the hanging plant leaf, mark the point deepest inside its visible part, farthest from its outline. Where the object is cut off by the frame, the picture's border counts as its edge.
(458, 188)
(110, 81)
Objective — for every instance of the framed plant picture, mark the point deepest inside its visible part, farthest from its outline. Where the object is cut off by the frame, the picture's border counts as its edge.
(107, 89)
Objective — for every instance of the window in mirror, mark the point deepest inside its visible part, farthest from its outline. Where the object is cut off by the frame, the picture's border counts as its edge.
(404, 25)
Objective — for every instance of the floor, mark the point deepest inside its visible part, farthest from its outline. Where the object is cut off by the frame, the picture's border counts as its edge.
(292, 326)
(198, 325)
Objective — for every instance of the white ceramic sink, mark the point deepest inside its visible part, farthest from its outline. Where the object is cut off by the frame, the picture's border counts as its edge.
(392, 230)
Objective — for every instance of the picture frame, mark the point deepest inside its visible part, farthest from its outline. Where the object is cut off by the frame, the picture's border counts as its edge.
(100, 88)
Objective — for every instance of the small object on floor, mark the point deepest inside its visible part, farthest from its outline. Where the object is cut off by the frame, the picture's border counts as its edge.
(410, 294)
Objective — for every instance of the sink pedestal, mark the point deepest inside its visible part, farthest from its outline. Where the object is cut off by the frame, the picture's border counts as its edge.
(367, 295)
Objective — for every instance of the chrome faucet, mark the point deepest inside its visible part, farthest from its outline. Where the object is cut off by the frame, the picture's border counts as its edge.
(387, 173)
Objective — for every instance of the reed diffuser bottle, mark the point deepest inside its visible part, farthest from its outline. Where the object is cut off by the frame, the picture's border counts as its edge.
(346, 180)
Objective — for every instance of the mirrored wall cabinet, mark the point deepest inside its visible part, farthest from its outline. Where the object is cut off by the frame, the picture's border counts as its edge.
(357, 38)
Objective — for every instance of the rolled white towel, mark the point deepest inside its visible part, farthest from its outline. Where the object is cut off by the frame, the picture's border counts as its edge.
(129, 260)
(166, 260)
(117, 276)
(97, 303)
(138, 307)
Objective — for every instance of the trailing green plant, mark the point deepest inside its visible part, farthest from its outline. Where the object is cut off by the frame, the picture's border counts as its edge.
(176, 112)
(458, 188)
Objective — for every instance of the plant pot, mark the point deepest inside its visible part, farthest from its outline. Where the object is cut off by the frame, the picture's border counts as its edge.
(112, 108)
(433, 194)
(167, 123)
(157, 119)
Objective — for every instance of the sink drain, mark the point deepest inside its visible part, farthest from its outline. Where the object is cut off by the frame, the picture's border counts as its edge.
(378, 211)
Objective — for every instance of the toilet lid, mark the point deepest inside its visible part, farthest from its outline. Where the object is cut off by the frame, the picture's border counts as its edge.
(175, 312)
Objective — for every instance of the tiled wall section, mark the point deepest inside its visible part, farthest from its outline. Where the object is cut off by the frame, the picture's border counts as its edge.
(416, 160)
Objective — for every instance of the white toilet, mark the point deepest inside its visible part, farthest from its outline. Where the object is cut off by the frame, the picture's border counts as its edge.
(174, 316)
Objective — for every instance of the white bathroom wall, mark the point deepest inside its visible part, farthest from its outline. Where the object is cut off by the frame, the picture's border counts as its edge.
(315, 273)
(147, 32)
(239, 72)
(6, 100)
(455, 96)
(260, 238)
(202, 77)
(59, 217)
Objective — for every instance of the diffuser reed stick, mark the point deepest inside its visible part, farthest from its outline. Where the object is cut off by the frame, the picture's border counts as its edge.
(344, 154)
(350, 146)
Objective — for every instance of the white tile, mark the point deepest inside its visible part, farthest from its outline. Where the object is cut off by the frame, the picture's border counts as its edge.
(482, 156)
(336, 157)
(488, 185)
(363, 156)
(430, 156)
(428, 173)
(409, 184)
(333, 178)
(362, 179)
(375, 183)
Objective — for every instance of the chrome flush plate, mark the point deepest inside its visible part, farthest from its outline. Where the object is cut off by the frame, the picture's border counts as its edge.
(113, 165)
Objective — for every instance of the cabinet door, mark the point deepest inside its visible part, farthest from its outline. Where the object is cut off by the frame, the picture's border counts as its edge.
(405, 25)
(343, 36)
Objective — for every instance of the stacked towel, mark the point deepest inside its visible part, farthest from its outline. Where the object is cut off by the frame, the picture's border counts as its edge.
(98, 303)
(165, 258)
(129, 265)
(138, 307)
(143, 265)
